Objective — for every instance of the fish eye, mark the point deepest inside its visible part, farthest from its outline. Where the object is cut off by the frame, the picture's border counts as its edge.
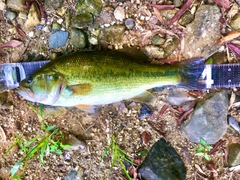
(29, 79)
(56, 76)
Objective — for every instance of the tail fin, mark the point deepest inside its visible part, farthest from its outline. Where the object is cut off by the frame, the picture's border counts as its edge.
(190, 72)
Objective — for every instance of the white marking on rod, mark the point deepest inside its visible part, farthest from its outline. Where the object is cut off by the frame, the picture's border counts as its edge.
(207, 76)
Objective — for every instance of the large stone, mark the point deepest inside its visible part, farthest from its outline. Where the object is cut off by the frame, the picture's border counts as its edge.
(53, 4)
(58, 39)
(203, 33)
(82, 20)
(162, 163)
(78, 38)
(34, 16)
(234, 154)
(113, 34)
(16, 4)
(209, 119)
(89, 6)
(235, 22)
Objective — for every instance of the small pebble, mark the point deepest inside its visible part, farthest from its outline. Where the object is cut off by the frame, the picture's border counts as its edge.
(233, 123)
(58, 39)
(56, 27)
(130, 23)
(39, 27)
(9, 14)
(78, 38)
(157, 40)
(144, 112)
(119, 13)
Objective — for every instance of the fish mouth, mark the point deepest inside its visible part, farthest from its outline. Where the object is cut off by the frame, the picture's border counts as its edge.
(25, 92)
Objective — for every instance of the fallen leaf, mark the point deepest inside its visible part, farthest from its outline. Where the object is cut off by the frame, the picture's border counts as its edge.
(163, 7)
(12, 43)
(3, 137)
(223, 3)
(20, 31)
(146, 136)
(234, 48)
(232, 35)
(184, 8)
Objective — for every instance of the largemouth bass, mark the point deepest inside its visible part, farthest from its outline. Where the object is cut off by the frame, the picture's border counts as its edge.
(85, 79)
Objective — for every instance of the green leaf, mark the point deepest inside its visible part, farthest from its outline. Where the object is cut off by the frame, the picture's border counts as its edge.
(43, 152)
(33, 150)
(143, 152)
(47, 150)
(53, 148)
(209, 147)
(59, 151)
(209, 61)
(202, 142)
(199, 154)
(16, 167)
(16, 177)
(65, 146)
(200, 149)
(106, 151)
(33, 140)
(14, 144)
(207, 157)
(49, 128)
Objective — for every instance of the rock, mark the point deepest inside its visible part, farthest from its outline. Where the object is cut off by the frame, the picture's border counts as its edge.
(56, 27)
(177, 3)
(234, 154)
(158, 40)
(75, 143)
(9, 14)
(53, 4)
(119, 13)
(238, 1)
(235, 22)
(78, 38)
(233, 11)
(162, 162)
(130, 23)
(34, 16)
(106, 16)
(209, 119)
(82, 20)
(16, 4)
(113, 34)
(75, 175)
(145, 111)
(154, 51)
(205, 27)
(58, 39)
(53, 112)
(178, 96)
(186, 18)
(233, 123)
(2, 6)
(89, 6)
(170, 46)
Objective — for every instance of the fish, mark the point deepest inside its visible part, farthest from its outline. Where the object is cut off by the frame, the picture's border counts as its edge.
(90, 78)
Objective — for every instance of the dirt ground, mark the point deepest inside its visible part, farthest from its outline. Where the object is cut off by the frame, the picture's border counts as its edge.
(119, 119)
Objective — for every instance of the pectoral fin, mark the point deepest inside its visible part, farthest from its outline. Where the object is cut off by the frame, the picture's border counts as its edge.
(80, 89)
(144, 97)
(86, 107)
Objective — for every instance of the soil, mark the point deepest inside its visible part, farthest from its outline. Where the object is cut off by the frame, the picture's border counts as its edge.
(119, 119)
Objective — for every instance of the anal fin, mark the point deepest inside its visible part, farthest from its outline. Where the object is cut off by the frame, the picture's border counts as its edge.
(86, 107)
